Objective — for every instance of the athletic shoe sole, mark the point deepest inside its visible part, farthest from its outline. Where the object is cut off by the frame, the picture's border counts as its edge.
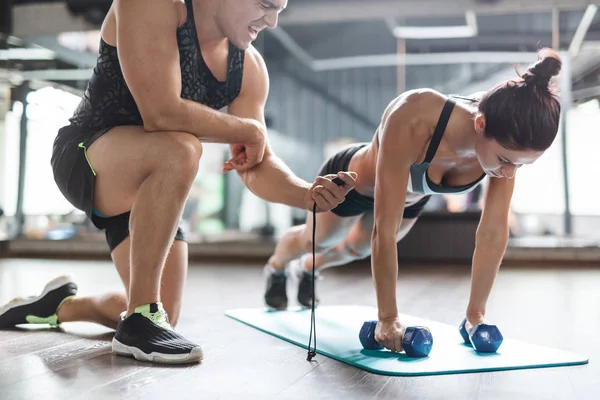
(194, 356)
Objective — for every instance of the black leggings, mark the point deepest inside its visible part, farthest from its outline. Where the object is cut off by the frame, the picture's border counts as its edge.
(116, 229)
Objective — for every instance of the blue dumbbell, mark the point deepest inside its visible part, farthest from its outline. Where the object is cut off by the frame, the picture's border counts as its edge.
(484, 338)
(417, 340)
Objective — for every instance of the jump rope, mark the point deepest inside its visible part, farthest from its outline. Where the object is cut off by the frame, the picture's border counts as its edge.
(313, 323)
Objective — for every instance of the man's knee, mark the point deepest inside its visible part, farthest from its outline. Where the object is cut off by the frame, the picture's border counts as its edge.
(181, 158)
(186, 150)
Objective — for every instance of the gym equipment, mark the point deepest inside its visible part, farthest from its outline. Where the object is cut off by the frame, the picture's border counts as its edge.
(484, 338)
(338, 339)
(337, 181)
(416, 342)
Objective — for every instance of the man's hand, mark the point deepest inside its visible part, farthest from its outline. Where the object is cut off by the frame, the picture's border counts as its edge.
(328, 194)
(246, 156)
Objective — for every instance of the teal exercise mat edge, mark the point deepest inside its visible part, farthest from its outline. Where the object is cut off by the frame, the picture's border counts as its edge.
(231, 313)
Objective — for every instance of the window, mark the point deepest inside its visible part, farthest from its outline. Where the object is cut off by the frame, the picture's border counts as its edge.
(540, 187)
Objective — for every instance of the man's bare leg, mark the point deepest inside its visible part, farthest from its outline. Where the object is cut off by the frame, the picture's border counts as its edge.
(150, 175)
(161, 167)
(106, 309)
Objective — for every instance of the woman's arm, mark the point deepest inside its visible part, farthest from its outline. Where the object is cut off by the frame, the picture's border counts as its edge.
(402, 140)
(491, 242)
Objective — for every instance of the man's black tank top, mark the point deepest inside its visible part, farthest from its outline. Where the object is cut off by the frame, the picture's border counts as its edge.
(107, 101)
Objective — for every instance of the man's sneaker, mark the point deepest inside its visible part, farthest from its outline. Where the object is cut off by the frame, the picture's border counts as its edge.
(40, 309)
(275, 294)
(305, 282)
(147, 335)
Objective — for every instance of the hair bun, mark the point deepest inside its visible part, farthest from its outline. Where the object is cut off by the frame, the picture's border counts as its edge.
(548, 65)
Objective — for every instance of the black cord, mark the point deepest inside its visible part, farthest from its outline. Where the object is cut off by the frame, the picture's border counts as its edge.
(313, 322)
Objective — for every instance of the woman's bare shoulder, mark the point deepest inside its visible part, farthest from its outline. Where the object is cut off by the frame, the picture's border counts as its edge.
(414, 108)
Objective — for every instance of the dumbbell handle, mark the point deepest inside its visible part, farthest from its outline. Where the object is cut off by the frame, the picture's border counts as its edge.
(368, 333)
(419, 349)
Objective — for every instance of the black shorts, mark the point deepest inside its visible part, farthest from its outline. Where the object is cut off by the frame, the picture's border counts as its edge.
(75, 178)
(356, 203)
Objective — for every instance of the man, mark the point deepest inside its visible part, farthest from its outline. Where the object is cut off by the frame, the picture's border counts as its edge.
(131, 153)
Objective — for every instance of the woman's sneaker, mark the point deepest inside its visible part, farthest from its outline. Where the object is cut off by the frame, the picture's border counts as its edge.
(304, 280)
(40, 309)
(275, 293)
(147, 335)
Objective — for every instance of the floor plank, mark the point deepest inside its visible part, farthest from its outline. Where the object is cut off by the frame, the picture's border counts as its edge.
(556, 307)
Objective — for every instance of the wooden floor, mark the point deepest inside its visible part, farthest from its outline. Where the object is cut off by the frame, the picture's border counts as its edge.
(553, 307)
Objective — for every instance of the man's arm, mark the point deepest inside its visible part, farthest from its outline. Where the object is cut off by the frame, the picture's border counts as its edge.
(149, 56)
(272, 179)
(491, 242)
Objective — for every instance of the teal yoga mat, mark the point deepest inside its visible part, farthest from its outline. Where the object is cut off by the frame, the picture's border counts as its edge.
(337, 337)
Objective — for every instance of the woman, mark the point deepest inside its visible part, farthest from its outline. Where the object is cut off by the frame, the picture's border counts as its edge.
(426, 144)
